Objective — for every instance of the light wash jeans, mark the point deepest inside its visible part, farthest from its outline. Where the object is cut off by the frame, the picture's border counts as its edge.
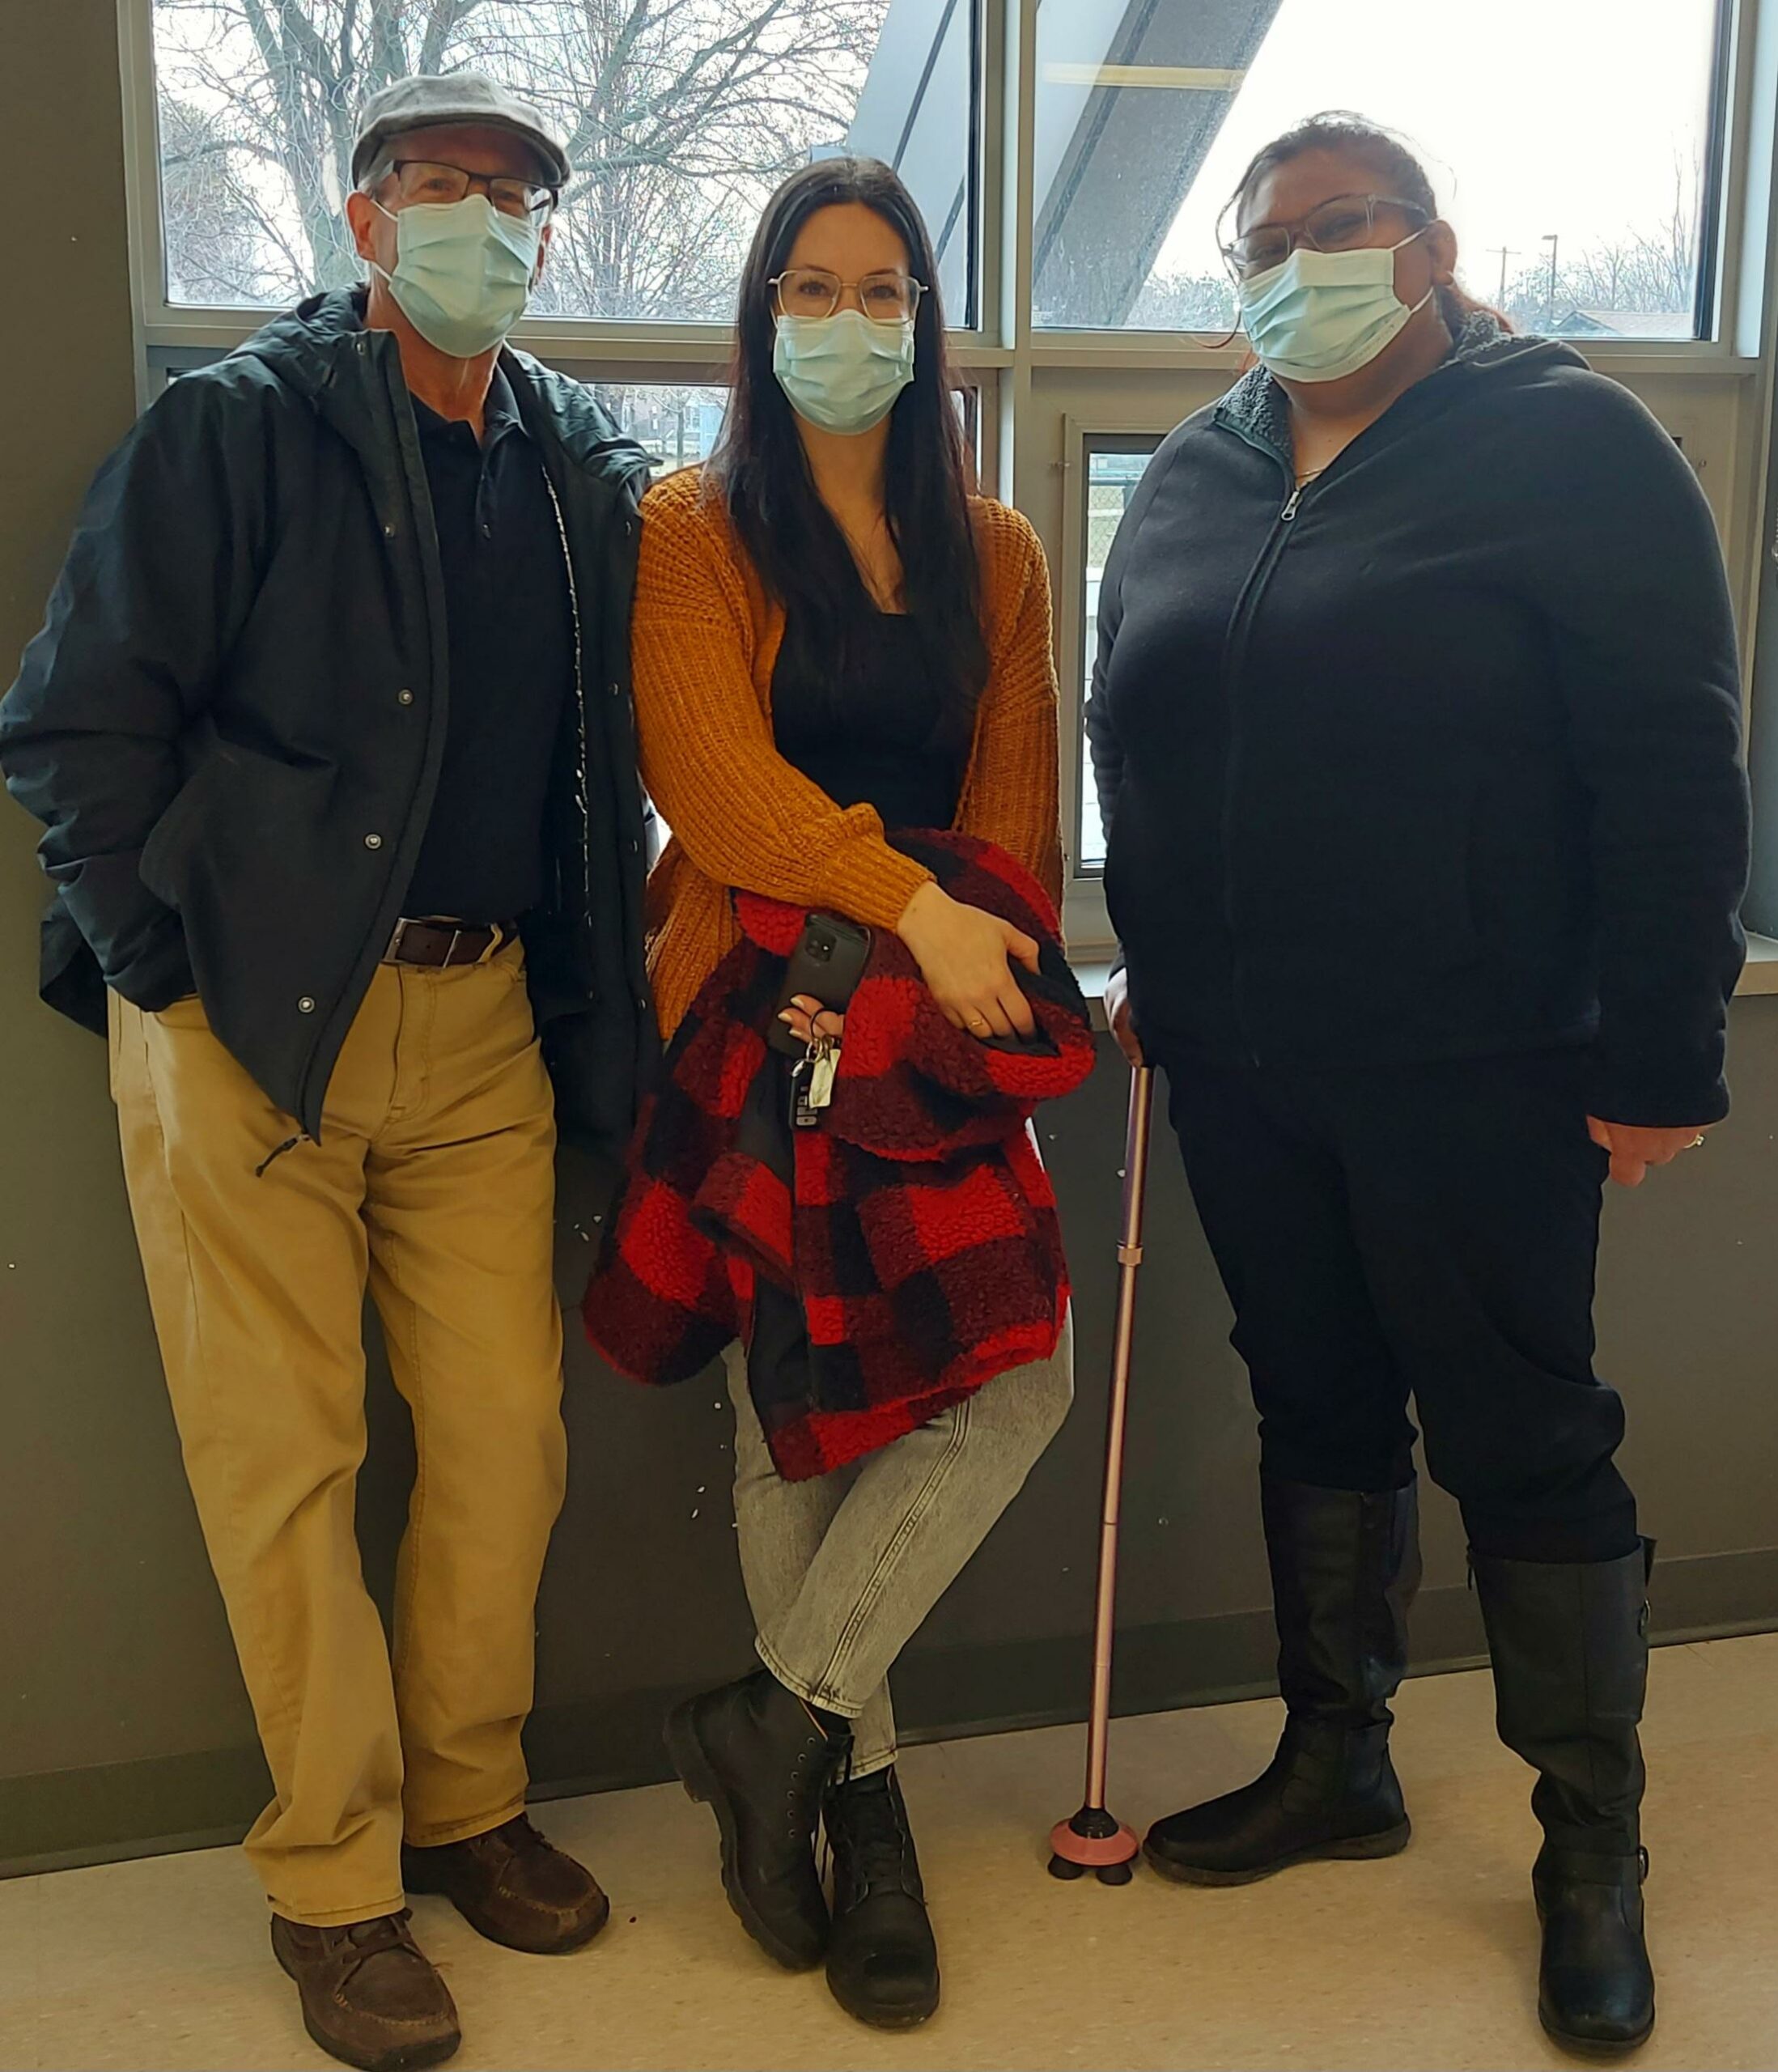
(842, 1569)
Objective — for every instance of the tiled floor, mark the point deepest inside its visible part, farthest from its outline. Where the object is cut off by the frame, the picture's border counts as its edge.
(1424, 1961)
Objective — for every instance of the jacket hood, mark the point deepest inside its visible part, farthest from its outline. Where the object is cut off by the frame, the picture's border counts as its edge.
(316, 348)
(1257, 409)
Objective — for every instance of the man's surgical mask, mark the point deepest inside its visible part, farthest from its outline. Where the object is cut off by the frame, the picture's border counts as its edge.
(1323, 314)
(843, 372)
(462, 272)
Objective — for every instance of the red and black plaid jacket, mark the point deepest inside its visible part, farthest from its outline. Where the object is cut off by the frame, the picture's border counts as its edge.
(916, 1227)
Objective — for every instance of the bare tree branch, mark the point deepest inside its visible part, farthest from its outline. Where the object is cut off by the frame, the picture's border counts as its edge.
(681, 114)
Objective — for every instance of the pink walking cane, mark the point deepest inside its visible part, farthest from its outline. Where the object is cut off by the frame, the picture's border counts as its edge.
(1094, 1840)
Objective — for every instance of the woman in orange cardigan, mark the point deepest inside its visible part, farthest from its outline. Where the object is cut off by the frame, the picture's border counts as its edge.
(833, 635)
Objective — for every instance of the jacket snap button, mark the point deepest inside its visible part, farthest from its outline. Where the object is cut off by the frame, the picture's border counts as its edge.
(388, 532)
(305, 1005)
(404, 698)
(373, 841)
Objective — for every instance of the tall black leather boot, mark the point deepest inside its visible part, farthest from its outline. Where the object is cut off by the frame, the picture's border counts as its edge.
(1345, 1564)
(1569, 1642)
(882, 1962)
(760, 1760)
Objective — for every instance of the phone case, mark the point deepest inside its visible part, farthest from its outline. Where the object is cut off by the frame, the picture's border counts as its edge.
(827, 965)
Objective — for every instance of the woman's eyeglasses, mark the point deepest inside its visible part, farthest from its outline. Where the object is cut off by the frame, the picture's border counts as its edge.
(1346, 223)
(886, 297)
(423, 181)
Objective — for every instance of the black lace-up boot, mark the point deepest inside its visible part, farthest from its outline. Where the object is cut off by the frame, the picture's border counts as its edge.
(760, 1760)
(1344, 1567)
(882, 1963)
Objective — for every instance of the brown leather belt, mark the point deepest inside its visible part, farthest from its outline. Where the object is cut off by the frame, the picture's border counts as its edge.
(439, 944)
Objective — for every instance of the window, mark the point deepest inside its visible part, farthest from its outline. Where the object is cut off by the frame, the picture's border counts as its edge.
(677, 425)
(681, 118)
(1113, 467)
(1608, 166)
(1573, 144)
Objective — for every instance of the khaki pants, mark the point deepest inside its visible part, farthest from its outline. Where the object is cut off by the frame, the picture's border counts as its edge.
(433, 1183)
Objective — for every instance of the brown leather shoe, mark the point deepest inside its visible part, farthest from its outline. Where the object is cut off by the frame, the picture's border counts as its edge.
(511, 1887)
(370, 1998)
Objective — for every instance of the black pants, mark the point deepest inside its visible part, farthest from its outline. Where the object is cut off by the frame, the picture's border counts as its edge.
(1428, 1231)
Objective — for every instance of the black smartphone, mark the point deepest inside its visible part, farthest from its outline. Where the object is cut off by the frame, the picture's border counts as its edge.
(826, 965)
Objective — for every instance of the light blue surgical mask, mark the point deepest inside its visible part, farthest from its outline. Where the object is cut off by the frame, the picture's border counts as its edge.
(843, 372)
(1323, 314)
(462, 272)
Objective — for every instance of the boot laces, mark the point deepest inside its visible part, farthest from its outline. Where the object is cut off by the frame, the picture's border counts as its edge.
(873, 1832)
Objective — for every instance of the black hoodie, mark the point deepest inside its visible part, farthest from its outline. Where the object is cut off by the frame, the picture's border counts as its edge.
(242, 675)
(1437, 759)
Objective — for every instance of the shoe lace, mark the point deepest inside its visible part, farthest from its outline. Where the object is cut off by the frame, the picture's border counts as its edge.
(520, 1836)
(374, 1939)
(866, 1815)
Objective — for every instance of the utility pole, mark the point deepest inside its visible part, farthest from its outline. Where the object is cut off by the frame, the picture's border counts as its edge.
(1552, 239)
(1505, 253)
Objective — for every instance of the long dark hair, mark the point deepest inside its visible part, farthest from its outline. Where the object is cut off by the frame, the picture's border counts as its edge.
(1389, 157)
(762, 471)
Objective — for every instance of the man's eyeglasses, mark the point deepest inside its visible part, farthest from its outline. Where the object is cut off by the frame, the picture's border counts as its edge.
(1346, 223)
(425, 180)
(886, 297)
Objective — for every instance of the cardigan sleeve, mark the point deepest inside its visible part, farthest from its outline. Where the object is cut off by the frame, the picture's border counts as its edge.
(745, 815)
(1012, 798)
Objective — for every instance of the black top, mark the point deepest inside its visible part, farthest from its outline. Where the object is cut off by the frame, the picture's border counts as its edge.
(1438, 760)
(872, 734)
(511, 655)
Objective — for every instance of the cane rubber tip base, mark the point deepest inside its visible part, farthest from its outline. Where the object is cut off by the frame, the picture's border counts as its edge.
(1107, 1873)
(1092, 1840)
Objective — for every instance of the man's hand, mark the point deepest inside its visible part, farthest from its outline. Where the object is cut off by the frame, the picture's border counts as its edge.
(1117, 1010)
(1633, 1151)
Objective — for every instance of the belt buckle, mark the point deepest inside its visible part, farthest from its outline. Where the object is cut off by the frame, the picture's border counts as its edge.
(393, 954)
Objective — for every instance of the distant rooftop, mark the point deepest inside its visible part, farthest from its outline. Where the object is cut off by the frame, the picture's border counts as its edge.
(1624, 323)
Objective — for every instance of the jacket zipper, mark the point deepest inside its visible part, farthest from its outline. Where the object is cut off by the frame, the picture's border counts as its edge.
(583, 803)
(437, 704)
(1246, 608)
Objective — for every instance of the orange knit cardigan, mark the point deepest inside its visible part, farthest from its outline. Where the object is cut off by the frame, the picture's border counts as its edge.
(705, 641)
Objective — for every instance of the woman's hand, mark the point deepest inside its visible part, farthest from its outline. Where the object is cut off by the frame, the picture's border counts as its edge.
(963, 956)
(806, 1019)
(1634, 1150)
(1116, 1013)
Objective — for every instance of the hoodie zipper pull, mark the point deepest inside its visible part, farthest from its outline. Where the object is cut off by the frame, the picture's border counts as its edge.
(1289, 510)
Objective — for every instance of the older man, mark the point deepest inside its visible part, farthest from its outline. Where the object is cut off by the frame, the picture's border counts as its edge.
(329, 726)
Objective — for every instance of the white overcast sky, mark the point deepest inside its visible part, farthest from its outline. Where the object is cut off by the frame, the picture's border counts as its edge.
(1532, 116)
